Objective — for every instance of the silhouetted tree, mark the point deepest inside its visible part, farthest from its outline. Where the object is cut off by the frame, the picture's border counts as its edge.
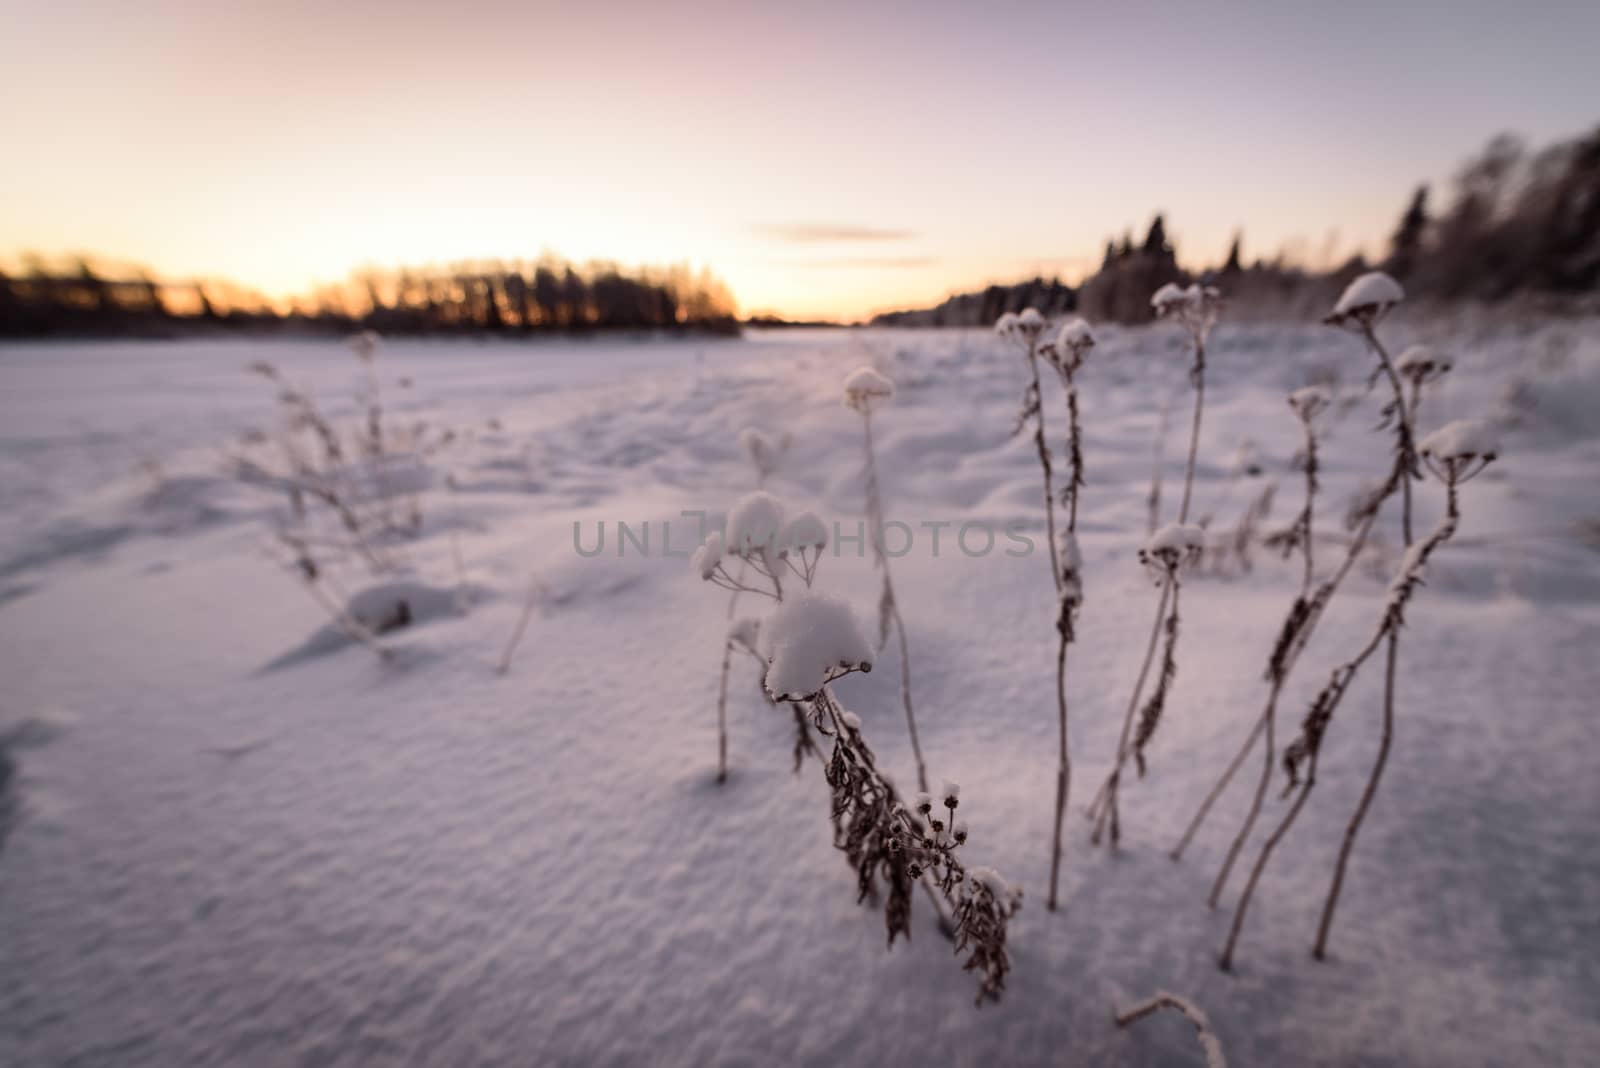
(1405, 248)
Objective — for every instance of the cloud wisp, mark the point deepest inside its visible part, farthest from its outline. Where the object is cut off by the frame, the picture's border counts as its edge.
(830, 233)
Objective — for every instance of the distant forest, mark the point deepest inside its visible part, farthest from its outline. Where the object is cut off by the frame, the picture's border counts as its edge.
(81, 298)
(1517, 224)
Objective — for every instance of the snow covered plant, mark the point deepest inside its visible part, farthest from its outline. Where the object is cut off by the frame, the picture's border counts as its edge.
(1307, 404)
(807, 642)
(1418, 365)
(1196, 309)
(1066, 353)
(1067, 350)
(1454, 454)
(353, 493)
(1164, 557)
(864, 391)
(765, 455)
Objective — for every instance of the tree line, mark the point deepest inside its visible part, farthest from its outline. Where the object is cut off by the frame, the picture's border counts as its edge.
(1517, 224)
(492, 297)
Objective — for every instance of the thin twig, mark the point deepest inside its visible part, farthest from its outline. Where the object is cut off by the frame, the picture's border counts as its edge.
(1191, 1012)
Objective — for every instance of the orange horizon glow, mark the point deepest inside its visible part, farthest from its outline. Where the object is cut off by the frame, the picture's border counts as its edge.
(825, 164)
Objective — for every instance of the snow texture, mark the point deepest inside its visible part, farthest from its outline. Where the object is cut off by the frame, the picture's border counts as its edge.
(206, 859)
(809, 639)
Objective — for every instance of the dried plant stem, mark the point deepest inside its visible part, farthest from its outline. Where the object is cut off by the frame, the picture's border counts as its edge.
(1321, 714)
(1034, 405)
(1219, 787)
(889, 602)
(529, 601)
(1407, 453)
(1325, 924)
(1153, 501)
(352, 627)
(722, 688)
(1104, 803)
(1296, 642)
(1197, 375)
(1191, 1012)
(1278, 670)
(1107, 799)
(1066, 607)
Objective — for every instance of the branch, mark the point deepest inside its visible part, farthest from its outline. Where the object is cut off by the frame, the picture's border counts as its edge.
(1191, 1012)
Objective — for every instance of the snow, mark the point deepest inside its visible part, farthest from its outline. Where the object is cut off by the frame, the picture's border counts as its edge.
(1169, 296)
(708, 557)
(1006, 325)
(1030, 321)
(1422, 361)
(807, 640)
(1075, 335)
(866, 389)
(754, 523)
(1373, 291)
(805, 531)
(1310, 401)
(1180, 539)
(1462, 439)
(213, 852)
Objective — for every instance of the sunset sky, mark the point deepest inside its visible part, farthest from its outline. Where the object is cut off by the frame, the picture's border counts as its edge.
(824, 159)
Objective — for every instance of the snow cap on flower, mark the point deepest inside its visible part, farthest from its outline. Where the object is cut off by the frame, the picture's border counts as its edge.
(754, 523)
(1006, 325)
(1195, 308)
(1462, 440)
(1173, 546)
(988, 879)
(951, 792)
(805, 531)
(1075, 334)
(808, 640)
(1368, 298)
(1169, 298)
(1307, 401)
(851, 720)
(1030, 321)
(1072, 343)
(708, 557)
(1422, 363)
(866, 389)
(922, 803)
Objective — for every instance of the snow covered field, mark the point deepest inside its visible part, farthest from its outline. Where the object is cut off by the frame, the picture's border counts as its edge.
(229, 836)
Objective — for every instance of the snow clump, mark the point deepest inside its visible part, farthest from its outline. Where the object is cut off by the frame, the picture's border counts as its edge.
(808, 641)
